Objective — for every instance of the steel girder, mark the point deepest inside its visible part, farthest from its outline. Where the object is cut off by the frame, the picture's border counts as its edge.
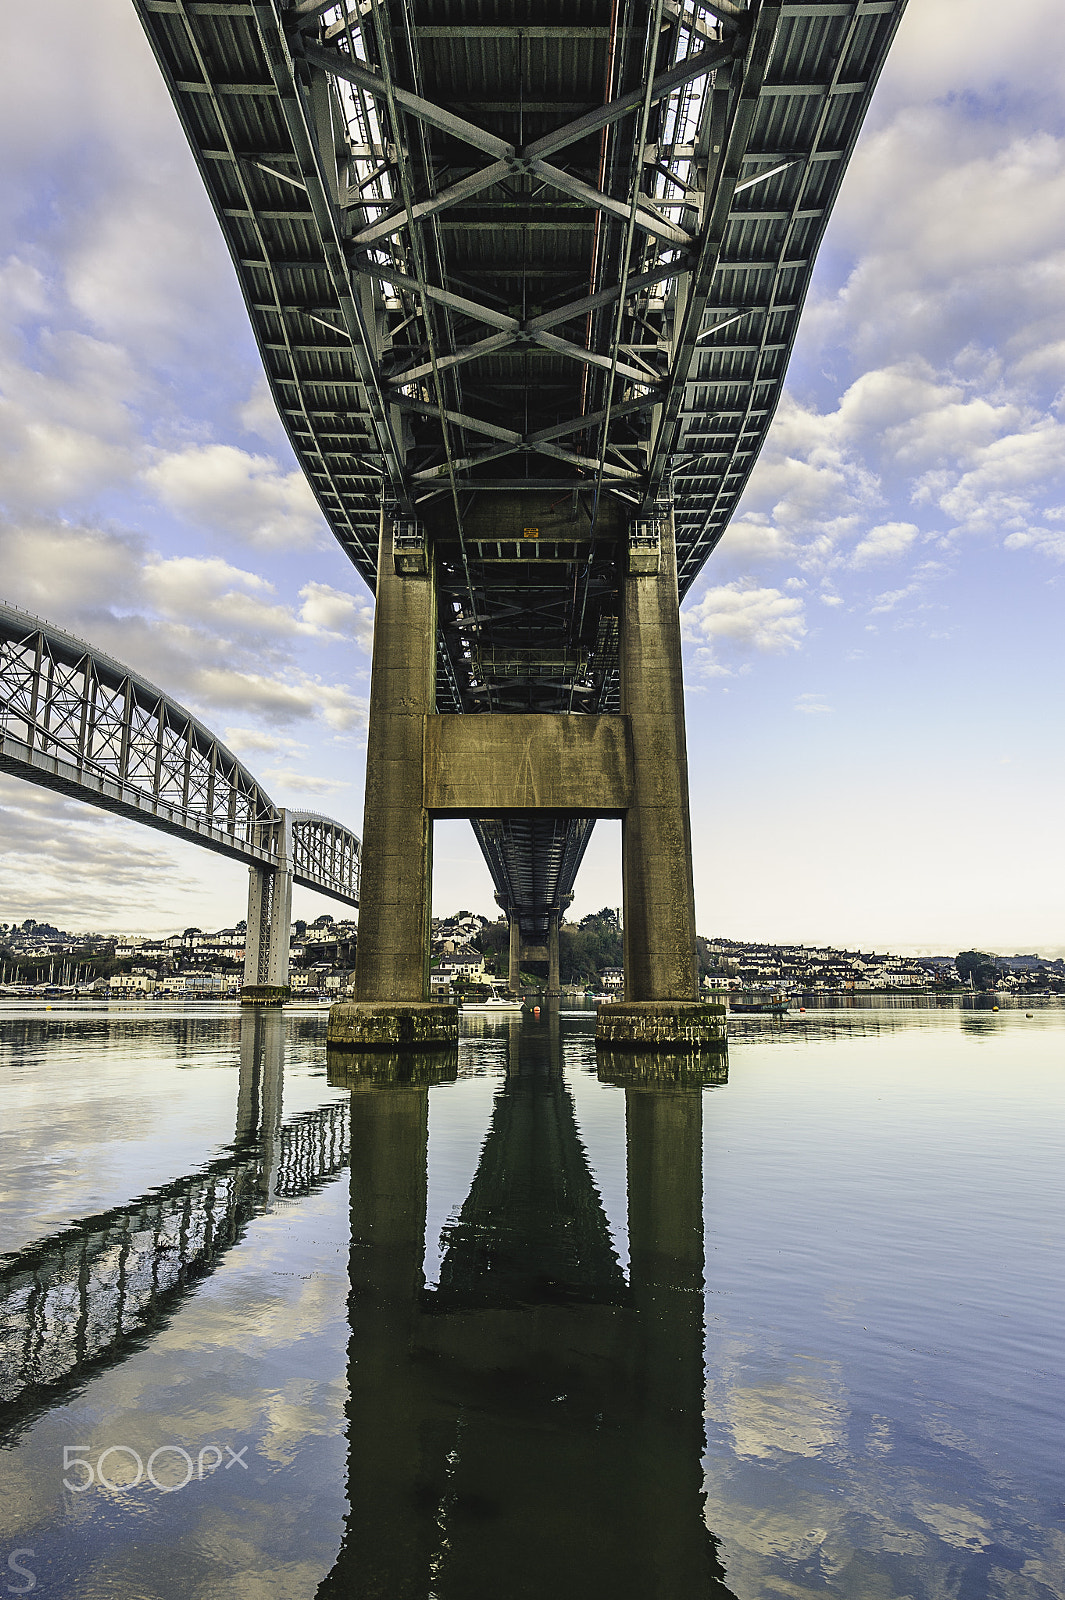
(521, 271)
(74, 720)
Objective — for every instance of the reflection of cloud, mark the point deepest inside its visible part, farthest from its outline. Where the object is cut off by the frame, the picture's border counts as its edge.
(955, 1524)
(803, 1417)
(808, 1496)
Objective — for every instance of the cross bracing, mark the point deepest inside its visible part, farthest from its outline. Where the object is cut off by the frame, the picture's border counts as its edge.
(74, 720)
(522, 273)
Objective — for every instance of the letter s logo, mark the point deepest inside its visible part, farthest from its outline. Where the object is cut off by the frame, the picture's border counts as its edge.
(23, 1572)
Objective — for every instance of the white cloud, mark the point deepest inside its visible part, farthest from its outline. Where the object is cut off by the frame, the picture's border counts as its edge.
(258, 415)
(1047, 541)
(340, 614)
(744, 619)
(813, 705)
(247, 740)
(883, 543)
(891, 598)
(249, 497)
(66, 424)
(300, 782)
(87, 867)
(65, 572)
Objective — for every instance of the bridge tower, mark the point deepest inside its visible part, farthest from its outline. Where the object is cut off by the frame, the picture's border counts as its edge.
(513, 769)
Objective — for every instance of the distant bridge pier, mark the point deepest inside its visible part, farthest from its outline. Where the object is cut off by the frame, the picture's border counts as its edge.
(522, 949)
(267, 943)
(515, 952)
(554, 986)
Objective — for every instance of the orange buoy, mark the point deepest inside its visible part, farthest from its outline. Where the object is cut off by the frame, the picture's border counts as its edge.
(536, 1011)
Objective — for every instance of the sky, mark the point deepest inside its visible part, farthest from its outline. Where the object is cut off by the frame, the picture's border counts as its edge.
(873, 656)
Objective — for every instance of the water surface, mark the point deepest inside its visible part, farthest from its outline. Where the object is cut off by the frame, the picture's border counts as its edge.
(525, 1324)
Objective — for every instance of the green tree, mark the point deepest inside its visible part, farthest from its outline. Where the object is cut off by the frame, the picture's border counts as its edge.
(979, 966)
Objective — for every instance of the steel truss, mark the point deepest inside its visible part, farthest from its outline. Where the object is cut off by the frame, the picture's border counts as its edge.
(73, 720)
(523, 279)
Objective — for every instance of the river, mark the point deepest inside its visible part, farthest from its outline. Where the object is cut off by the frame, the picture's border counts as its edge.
(524, 1324)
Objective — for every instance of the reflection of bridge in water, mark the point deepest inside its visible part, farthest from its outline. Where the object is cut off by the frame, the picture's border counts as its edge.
(535, 1423)
(487, 1414)
(89, 1295)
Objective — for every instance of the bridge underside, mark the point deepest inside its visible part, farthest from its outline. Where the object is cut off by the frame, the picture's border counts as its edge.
(525, 280)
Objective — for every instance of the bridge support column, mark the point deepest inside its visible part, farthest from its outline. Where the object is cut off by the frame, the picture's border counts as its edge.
(554, 986)
(268, 937)
(391, 1008)
(514, 984)
(661, 1010)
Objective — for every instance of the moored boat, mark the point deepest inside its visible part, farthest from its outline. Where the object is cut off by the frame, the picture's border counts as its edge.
(775, 1006)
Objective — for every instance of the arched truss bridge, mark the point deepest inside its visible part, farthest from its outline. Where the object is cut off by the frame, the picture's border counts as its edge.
(522, 272)
(73, 720)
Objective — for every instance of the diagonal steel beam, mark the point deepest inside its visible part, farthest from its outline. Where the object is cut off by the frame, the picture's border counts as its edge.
(606, 297)
(364, 77)
(455, 195)
(592, 358)
(460, 463)
(470, 352)
(461, 419)
(646, 219)
(592, 419)
(753, 74)
(693, 66)
(444, 297)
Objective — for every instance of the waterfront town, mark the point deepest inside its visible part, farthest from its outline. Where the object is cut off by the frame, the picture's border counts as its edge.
(470, 950)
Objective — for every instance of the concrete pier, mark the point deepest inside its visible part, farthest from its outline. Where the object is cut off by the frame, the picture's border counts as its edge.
(391, 1009)
(504, 768)
(267, 941)
(554, 986)
(514, 982)
(661, 1009)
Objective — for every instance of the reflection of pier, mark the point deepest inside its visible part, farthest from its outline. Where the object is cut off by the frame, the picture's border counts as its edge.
(533, 1426)
(90, 1294)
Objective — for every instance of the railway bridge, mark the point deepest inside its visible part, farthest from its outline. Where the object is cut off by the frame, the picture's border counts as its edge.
(75, 721)
(525, 278)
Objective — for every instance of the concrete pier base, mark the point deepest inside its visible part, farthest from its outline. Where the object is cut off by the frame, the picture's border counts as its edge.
(392, 1025)
(669, 1025)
